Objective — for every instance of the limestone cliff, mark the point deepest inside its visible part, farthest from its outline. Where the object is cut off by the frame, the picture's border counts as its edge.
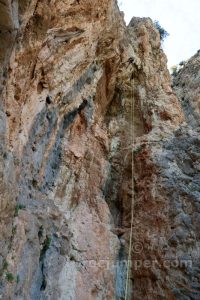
(89, 123)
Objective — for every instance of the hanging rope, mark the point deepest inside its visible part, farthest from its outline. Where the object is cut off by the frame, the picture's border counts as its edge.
(132, 196)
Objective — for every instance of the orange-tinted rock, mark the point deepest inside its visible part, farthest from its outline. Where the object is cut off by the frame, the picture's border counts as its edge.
(89, 121)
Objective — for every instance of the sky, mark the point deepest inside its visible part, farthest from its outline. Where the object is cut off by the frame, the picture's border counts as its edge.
(180, 18)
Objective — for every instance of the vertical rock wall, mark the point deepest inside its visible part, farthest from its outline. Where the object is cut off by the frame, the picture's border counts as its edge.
(72, 75)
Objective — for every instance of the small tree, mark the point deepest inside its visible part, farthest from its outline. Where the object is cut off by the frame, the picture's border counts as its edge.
(162, 31)
(174, 70)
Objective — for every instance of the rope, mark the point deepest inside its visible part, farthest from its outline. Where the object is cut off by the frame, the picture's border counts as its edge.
(132, 198)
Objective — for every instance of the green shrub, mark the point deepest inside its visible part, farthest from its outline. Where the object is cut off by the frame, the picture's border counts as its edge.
(14, 230)
(5, 265)
(137, 150)
(18, 207)
(47, 243)
(17, 279)
(162, 31)
(10, 277)
(16, 161)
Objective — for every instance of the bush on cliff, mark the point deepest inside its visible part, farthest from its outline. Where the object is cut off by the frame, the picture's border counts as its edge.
(162, 31)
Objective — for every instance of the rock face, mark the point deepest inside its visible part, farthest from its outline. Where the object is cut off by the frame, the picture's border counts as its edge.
(92, 137)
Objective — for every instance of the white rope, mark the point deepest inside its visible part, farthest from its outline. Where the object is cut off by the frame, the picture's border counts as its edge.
(132, 198)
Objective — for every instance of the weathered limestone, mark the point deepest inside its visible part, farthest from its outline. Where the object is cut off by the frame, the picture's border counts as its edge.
(71, 72)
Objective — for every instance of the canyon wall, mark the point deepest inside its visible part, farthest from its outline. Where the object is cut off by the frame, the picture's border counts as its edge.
(92, 137)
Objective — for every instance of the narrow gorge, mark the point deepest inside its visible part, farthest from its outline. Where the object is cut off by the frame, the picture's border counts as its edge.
(99, 157)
